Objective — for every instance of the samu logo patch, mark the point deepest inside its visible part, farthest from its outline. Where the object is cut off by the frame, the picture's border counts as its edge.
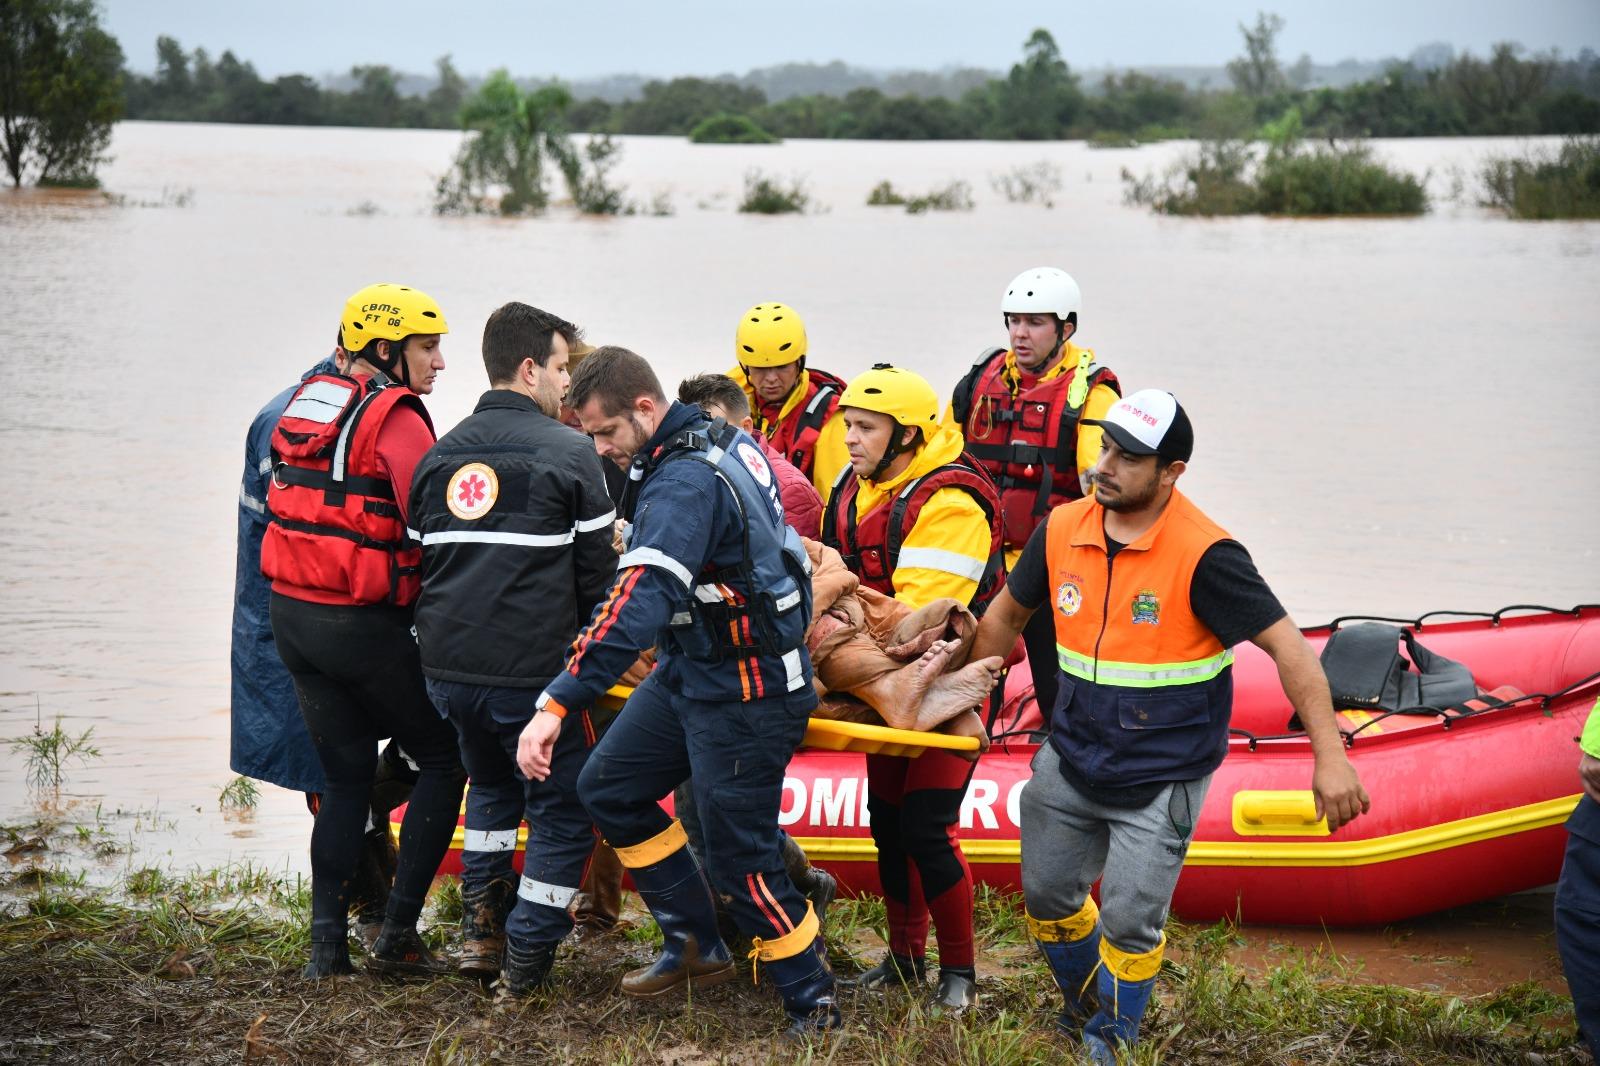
(1147, 608)
(1069, 598)
(472, 491)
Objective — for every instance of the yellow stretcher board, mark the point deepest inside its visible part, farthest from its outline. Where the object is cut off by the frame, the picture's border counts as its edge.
(849, 736)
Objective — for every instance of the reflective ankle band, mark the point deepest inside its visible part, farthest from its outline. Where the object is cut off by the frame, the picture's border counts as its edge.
(669, 841)
(1066, 930)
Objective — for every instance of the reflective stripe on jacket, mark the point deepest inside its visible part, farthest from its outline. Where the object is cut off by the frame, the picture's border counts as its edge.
(1146, 689)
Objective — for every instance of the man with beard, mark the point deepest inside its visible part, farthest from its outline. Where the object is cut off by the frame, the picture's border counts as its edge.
(515, 523)
(1147, 596)
(712, 578)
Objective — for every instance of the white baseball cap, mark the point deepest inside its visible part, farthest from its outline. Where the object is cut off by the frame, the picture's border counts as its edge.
(1149, 422)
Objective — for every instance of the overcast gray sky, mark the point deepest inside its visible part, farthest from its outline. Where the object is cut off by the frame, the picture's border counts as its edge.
(660, 37)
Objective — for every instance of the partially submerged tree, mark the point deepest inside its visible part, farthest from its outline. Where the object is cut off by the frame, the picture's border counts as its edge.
(514, 139)
(60, 90)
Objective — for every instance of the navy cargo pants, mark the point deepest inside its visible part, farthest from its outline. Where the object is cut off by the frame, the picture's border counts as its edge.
(1578, 918)
(736, 754)
(489, 719)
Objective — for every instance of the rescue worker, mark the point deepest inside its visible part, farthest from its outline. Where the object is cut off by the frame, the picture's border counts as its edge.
(1148, 596)
(268, 736)
(1026, 411)
(344, 577)
(712, 577)
(1578, 891)
(719, 396)
(916, 518)
(794, 407)
(516, 525)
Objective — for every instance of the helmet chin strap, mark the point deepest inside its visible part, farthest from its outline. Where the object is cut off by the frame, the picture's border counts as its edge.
(397, 355)
(891, 452)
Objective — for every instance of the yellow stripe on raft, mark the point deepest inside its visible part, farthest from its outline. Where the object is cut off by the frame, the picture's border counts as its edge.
(1405, 845)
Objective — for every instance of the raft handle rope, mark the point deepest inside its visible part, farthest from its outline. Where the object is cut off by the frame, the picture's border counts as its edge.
(1494, 617)
(1448, 715)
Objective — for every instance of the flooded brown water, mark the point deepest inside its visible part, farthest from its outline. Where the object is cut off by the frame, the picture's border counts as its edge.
(1395, 416)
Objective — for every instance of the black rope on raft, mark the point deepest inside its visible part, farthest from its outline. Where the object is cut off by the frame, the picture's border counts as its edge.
(1494, 617)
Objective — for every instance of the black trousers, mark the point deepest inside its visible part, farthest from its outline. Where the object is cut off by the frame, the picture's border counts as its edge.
(359, 680)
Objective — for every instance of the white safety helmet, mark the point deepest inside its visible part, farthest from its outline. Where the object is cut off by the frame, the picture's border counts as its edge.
(1043, 290)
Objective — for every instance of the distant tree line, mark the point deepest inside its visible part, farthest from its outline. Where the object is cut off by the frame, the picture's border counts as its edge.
(1040, 98)
(194, 87)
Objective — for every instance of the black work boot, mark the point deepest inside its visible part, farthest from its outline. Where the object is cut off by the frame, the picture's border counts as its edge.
(483, 928)
(895, 971)
(401, 952)
(527, 968)
(328, 959)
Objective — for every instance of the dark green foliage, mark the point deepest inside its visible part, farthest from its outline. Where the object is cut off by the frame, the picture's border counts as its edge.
(765, 195)
(1292, 179)
(883, 194)
(1335, 180)
(677, 106)
(730, 129)
(1563, 184)
(60, 91)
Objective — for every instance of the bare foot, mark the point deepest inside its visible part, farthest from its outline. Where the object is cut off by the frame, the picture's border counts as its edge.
(898, 696)
(951, 694)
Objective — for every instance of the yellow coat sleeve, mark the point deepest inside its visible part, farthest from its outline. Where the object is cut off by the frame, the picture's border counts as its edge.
(945, 552)
(831, 457)
(1590, 741)
(1098, 402)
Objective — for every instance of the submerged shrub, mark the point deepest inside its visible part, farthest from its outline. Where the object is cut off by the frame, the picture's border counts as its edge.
(1337, 180)
(1544, 184)
(1031, 183)
(730, 129)
(765, 195)
(883, 194)
(1222, 178)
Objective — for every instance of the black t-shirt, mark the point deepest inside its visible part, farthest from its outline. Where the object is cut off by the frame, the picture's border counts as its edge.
(1227, 594)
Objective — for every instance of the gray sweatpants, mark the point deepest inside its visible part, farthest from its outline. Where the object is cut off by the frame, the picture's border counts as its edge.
(1068, 841)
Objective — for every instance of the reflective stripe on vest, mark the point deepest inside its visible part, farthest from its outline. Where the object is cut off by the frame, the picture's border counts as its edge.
(1141, 675)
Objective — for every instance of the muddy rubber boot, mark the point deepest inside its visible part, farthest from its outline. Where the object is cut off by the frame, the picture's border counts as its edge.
(483, 928)
(816, 885)
(329, 958)
(1116, 1024)
(401, 952)
(692, 951)
(957, 991)
(1071, 948)
(895, 971)
(1072, 965)
(1124, 983)
(527, 969)
(806, 984)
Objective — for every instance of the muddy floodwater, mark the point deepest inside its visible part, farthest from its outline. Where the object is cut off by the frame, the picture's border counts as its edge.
(1394, 416)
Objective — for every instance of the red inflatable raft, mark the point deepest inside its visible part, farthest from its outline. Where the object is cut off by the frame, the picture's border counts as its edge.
(1466, 804)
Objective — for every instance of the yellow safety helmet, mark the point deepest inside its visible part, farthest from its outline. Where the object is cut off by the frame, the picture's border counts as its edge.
(903, 395)
(388, 312)
(770, 335)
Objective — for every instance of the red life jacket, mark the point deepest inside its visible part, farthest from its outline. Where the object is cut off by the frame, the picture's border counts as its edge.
(335, 526)
(1028, 443)
(871, 548)
(796, 436)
